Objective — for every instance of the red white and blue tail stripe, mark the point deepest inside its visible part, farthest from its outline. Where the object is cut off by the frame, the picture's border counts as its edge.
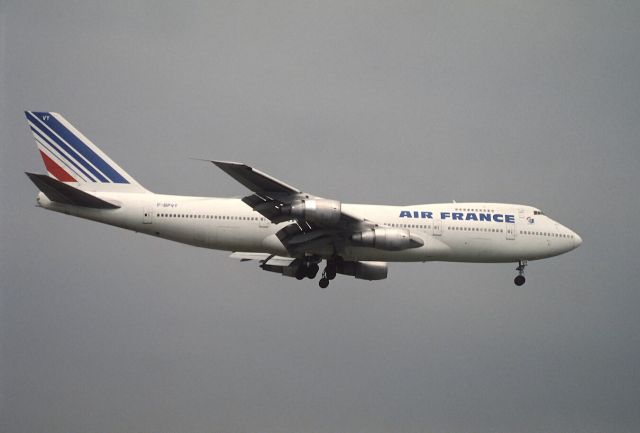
(69, 156)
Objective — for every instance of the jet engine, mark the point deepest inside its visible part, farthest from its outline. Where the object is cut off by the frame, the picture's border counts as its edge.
(387, 239)
(320, 211)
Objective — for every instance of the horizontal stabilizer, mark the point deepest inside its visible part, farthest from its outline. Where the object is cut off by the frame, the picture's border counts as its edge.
(263, 258)
(62, 193)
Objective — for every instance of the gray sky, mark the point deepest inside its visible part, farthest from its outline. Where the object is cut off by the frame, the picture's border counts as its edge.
(398, 102)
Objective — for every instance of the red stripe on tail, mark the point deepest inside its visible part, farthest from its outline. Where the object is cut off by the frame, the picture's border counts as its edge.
(55, 169)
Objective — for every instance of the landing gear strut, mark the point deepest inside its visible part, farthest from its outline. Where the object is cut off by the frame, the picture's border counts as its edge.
(520, 280)
(328, 275)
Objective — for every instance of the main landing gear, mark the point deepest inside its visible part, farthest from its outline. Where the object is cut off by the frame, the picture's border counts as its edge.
(307, 270)
(520, 280)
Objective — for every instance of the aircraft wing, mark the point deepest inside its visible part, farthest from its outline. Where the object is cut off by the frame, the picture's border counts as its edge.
(254, 179)
(315, 221)
(270, 194)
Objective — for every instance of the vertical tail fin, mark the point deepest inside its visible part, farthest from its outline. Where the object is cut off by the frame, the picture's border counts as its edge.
(71, 157)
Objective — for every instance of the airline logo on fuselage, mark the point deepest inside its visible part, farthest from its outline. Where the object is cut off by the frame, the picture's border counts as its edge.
(460, 216)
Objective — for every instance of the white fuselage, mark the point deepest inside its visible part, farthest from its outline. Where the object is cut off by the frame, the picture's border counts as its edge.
(457, 232)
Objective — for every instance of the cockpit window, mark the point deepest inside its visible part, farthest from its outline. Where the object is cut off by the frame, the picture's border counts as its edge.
(538, 212)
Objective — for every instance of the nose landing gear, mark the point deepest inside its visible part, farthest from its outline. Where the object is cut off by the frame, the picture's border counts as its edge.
(520, 280)
(328, 275)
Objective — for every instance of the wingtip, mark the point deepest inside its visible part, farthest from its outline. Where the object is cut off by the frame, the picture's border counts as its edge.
(219, 163)
(216, 162)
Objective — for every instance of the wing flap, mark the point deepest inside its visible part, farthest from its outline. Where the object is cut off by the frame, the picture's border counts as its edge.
(267, 207)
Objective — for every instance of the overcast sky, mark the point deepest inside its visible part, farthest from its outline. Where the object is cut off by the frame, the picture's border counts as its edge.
(105, 330)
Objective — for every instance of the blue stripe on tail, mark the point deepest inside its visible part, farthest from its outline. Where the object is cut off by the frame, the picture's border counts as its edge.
(81, 148)
(62, 156)
(59, 145)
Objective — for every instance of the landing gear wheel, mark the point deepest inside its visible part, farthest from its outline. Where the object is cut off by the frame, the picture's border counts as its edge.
(330, 272)
(323, 283)
(312, 270)
(519, 280)
(301, 272)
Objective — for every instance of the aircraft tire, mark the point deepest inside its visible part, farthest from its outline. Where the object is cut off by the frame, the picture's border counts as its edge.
(312, 270)
(301, 272)
(519, 280)
(331, 272)
(323, 283)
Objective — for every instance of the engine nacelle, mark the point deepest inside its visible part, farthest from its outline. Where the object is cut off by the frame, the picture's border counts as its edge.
(319, 211)
(364, 270)
(390, 239)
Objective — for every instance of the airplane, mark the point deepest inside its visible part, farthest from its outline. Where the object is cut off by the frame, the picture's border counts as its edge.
(286, 230)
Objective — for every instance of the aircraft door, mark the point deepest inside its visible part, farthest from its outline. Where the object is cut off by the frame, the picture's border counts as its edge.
(263, 222)
(510, 231)
(147, 215)
(437, 227)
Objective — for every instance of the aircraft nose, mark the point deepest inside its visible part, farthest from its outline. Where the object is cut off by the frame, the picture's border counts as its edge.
(577, 240)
